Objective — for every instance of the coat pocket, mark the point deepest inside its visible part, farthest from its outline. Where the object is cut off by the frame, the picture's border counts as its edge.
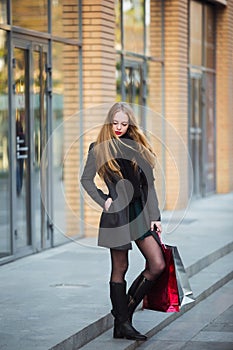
(108, 220)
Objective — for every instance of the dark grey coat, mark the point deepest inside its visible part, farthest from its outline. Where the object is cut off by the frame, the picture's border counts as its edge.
(114, 229)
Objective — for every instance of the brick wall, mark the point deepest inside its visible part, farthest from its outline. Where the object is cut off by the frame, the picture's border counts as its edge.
(176, 101)
(154, 83)
(99, 61)
(155, 96)
(98, 52)
(71, 159)
(224, 98)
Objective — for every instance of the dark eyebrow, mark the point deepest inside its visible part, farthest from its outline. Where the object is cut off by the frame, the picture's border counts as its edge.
(114, 120)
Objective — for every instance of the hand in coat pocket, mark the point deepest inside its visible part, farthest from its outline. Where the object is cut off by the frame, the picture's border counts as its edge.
(107, 203)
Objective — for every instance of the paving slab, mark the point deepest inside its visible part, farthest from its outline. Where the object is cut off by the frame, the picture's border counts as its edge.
(194, 329)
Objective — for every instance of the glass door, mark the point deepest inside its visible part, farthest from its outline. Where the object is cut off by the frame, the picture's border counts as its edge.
(196, 133)
(30, 109)
(22, 230)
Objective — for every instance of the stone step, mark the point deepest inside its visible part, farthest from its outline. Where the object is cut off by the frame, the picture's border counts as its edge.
(207, 326)
(93, 330)
(209, 259)
(204, 283)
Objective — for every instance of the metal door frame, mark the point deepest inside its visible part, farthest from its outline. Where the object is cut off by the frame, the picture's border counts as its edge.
(198, 75)
(30, 44)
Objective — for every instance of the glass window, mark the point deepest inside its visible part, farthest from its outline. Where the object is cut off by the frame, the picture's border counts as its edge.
(139, 18)
(65, 141)
(21, 93)
(133, 83)
(65, 19)
(209, 156)
(202, 121)
(118, 25)
(3, 11)
(118, 78)
(148, 28)
(196, 33)
(5, 246)
(209, 37)
(39, 113)
(133, 18)
(30, 14)
(154, 29)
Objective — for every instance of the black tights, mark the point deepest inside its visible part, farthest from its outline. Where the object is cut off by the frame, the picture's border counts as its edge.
(152, 253)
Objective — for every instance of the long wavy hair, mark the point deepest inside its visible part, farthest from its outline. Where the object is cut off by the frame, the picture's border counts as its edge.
(108, 141)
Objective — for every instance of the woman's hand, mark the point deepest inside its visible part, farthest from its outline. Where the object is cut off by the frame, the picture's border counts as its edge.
(107, 203)
(157, 225)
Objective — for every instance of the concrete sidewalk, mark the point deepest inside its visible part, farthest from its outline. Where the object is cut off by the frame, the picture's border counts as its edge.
(207, 326)
(60, 298)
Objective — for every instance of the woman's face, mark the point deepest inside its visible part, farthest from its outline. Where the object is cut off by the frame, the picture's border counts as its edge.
(120, 123)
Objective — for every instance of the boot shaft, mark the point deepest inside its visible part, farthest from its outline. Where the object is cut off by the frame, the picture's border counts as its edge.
(137, 291)
(122, 327)
(119, 301)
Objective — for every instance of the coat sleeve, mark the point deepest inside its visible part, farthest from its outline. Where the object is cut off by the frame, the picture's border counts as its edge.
(153, 204)
(87, 179)
(152, 199)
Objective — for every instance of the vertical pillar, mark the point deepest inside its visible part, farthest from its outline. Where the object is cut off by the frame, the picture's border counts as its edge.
(155, 97)
(71, 161)
(224, 98)
(99, 80)
(98, 52)
(176, 102)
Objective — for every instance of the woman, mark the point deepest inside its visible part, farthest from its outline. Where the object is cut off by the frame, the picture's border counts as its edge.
(124, 160)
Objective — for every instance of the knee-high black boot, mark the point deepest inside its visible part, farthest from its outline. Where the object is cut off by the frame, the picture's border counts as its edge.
(122, 326)
(136, 293)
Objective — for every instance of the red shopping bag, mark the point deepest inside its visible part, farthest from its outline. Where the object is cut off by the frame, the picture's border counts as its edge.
(164, 295)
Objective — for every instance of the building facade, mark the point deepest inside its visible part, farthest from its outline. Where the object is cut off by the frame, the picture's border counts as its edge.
(63, 63)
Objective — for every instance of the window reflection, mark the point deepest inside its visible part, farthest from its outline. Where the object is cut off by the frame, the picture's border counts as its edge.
(202, 122)
(210, 166)
(209, 37)
(133, 84)
(65, 18)
(3, 11)
(40, 139)
(31, 14)
(22, 232)
(147, 24)
(5, 246)
(139, 80)
(118, 79)
(155, 29)
(202, 37)
(196, 33)
(118, 25)
(133, 18)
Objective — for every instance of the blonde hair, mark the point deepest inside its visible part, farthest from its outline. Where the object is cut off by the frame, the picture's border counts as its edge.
(106, 140)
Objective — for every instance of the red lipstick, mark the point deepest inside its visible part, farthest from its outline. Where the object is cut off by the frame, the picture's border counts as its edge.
(118, 133)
